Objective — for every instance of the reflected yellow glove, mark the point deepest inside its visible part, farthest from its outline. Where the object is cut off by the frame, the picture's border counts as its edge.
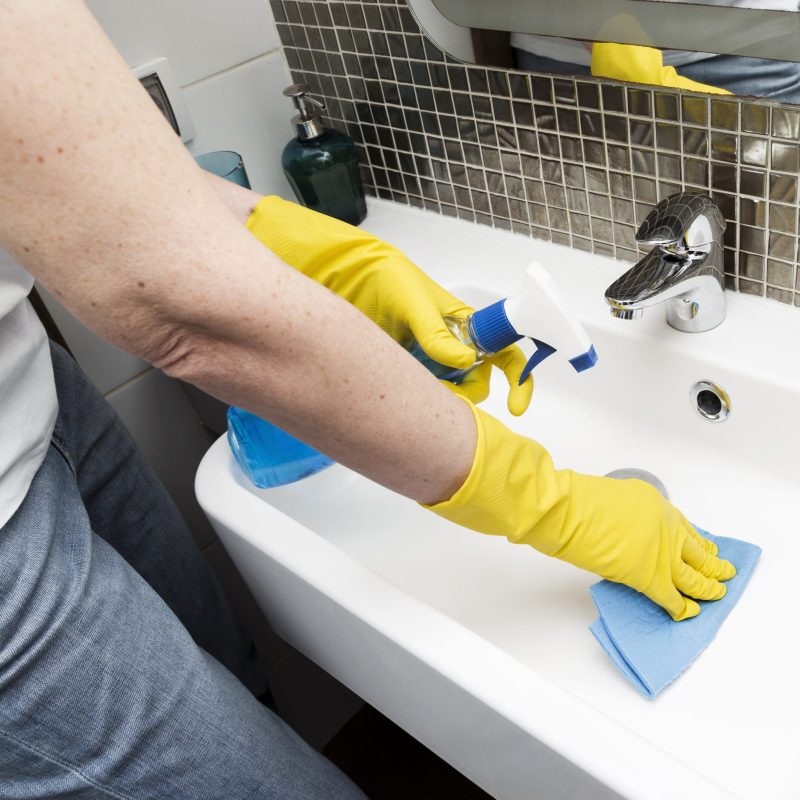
(383, 284)
(628, 62)
(623, 530)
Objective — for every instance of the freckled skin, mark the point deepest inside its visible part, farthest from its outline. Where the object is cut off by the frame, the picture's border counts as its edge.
(131, 209)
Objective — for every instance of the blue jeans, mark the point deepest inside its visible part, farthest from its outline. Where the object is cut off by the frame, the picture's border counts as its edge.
(760, 77)
(122, 671)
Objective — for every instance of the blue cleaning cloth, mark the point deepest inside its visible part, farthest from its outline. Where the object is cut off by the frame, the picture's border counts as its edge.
(647, 646)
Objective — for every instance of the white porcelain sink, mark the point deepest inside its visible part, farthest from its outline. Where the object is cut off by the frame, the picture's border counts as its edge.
(481, 649)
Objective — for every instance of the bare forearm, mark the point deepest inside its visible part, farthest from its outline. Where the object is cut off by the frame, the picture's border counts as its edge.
(101, 202)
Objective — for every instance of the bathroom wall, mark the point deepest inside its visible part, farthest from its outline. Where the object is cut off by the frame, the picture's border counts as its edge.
(227, 58)
(574, 161)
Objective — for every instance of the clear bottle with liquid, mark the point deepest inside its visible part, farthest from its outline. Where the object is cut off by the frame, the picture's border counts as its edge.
(268, 455)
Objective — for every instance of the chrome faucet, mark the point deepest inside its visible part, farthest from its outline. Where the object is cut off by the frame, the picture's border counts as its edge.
(684, 269)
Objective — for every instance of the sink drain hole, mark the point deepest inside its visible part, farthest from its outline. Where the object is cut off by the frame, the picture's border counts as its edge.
(711, 401)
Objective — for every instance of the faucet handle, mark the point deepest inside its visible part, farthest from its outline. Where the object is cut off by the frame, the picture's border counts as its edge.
(683, 222)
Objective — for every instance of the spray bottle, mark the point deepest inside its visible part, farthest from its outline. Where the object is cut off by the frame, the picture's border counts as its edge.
(536, 312)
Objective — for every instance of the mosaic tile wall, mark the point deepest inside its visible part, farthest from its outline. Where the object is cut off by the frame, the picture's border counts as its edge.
(578, 161)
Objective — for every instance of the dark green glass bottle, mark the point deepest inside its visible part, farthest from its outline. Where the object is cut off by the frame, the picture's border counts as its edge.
(321, 164)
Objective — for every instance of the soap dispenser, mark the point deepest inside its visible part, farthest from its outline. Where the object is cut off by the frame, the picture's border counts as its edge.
(321, 164)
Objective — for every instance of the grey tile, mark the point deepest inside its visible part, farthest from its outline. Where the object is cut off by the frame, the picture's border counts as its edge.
(782, 218)
(602, 230)
(515, 187)
(666, 106)
(574, 176)
(786, 123)
(668, 137)
(723, 177)
(785, 157)
(613, 98)
(594, 153)
(695, 142)
(538, 215)
(643, 162)
(557, 237)
(548, 145)
(591, 123)
(754, 151)
(695, 110)
(751, 287)
(528, 142)
(571, 149)
(599, 206)
(616, 128)
(567, 119)
(542, 88)
(752, 240)
(588, 95)
(783, 188)
(534, 190)
(724, 147)
(780, 274)
(752, 182)
(724, 114)
(782, 245)
(781, 295)
(619, 158)
(695, 171)
(751, 266)
(644, 190)
(544, 116)
(552, 171)
(555, 195)
(596, 180)
(669, 167)
(755, 118)
(622, 210)
(580, 224)
(641, 132)
(753, 212)
(621, 184)
(559, 219)
(640, 102)
(577, 201)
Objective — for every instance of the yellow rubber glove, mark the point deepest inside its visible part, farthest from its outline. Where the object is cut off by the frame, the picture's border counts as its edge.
(623, 530)
(628, 62)
(383, 284)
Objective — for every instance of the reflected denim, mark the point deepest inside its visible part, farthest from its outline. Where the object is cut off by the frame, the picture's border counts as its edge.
(122, 670)
(759, 77)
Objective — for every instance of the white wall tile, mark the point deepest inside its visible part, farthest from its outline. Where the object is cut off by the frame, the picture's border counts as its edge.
(106, 365)
(244, 110)
(156, 411)
(198, 37)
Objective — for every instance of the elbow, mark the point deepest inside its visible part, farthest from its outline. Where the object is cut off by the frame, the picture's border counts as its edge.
(182, 352)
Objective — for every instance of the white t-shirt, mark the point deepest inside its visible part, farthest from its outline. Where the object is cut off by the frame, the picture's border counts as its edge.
(573, 51)
(28, 403)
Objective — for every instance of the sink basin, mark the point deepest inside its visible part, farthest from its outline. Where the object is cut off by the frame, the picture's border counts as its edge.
(481, 649)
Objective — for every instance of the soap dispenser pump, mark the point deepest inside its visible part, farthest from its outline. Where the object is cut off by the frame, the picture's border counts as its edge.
(321, 164)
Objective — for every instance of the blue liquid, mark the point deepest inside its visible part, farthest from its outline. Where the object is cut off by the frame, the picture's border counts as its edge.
(268, 455)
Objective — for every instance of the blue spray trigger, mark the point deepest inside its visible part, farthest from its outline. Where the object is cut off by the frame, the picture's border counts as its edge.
(543, 350)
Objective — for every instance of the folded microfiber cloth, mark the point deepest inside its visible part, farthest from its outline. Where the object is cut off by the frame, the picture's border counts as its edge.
(648, 647)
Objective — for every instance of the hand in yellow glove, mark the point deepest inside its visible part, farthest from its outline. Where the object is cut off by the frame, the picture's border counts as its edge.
(628, 62)
(623, 530)
(383, 284)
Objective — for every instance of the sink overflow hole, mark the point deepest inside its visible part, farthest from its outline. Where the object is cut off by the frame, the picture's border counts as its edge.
(711, 401)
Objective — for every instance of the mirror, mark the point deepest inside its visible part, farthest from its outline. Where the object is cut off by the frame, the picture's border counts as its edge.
(751, 48)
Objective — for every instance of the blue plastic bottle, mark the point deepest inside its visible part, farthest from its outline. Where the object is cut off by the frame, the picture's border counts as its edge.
(268, 455)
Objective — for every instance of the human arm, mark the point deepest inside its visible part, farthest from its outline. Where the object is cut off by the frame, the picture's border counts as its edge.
(101, 202)
(378, 280)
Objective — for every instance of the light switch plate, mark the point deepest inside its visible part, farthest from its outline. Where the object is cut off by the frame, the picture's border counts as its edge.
(161, 84)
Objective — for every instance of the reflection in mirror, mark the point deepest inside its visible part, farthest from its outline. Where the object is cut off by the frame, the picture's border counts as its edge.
(518, 35)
